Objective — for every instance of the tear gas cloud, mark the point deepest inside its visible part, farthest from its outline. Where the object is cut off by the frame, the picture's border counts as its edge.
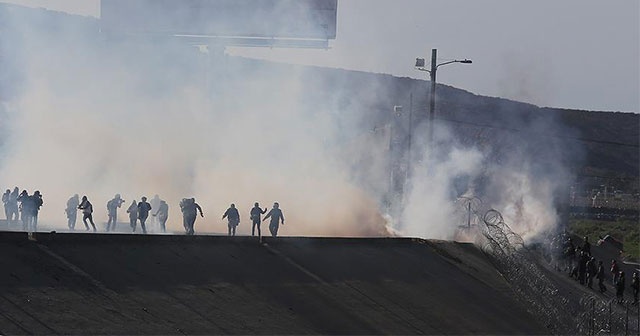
(98, 117)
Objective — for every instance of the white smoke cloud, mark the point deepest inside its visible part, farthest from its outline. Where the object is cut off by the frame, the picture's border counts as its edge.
(99, 117)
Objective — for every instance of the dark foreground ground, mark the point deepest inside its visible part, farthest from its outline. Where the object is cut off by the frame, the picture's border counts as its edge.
(70, 283)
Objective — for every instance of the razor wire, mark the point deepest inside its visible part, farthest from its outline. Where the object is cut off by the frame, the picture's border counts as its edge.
(608, 317)
(520, 268)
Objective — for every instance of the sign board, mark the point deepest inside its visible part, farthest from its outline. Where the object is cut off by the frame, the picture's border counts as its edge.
(301, 19)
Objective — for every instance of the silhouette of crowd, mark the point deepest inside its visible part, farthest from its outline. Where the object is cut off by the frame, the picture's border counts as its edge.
(578, 261)
(24, 207)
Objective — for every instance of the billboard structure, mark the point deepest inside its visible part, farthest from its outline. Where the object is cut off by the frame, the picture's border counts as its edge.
(290, 23)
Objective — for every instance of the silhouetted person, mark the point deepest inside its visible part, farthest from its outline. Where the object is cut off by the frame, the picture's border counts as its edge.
(635, 286)
(276, 215)
(615, 271)
(36, 203)
(72, 211)
(591, 271)
(133, 214)
(87, 212)
(586, 246)
(13, 204)
(162, 214)
(7, 207)
(569, 254)
(112, 212)
(143, 213)
(620, 287)
(582, 267)
(600, 276)
(183, 204)
(24, 208)
(256, 213)
(234, 218)
(155, 203)
(189, 211)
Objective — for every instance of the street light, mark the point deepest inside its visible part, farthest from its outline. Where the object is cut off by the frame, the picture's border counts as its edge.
(420, 65)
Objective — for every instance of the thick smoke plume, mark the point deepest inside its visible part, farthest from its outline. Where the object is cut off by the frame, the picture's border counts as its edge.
(520, 169)
(98, 116)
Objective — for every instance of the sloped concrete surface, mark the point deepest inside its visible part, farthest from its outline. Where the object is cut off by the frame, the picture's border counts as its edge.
(74, 283)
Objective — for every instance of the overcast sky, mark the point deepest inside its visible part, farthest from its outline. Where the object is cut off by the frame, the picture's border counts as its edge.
(582, 54)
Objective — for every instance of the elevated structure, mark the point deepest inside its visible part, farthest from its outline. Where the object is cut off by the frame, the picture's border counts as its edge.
(258, 23)
(136, 284)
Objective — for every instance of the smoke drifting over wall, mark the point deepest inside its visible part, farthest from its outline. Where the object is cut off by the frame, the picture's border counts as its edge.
(98, 116)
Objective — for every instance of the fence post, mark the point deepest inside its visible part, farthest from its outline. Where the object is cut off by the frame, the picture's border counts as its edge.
(626, 322)
(610, 324)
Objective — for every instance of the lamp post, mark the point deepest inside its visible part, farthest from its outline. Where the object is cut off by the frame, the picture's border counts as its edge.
(420, 65)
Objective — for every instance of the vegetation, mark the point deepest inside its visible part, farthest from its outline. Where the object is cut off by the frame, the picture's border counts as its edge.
(625, 231)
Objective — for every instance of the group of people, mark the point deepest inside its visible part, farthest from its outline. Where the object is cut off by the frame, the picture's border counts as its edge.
(138, 211)
(20, 206)
(275, 214)
(584, 268)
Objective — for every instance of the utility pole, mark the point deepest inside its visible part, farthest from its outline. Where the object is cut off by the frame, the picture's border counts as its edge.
(420, 65)
(432, 96)
(409, 156)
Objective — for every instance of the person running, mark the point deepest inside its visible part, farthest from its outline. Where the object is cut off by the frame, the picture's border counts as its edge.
(133, 215)
(256, 212)
(234, 218)
(87, 213)
(25, 209)
(112, 212)
(36, 203)
(189, 212)
(7, 207)
(276, 216)
(155, 204)
(183, 205)
(13, 205)
(143, 213)
(72, 211)
(162, 214)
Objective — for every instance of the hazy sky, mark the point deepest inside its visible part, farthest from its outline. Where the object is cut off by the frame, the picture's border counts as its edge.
(582, 54)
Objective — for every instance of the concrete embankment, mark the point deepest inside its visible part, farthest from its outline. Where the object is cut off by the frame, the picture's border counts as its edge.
(74, 283)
